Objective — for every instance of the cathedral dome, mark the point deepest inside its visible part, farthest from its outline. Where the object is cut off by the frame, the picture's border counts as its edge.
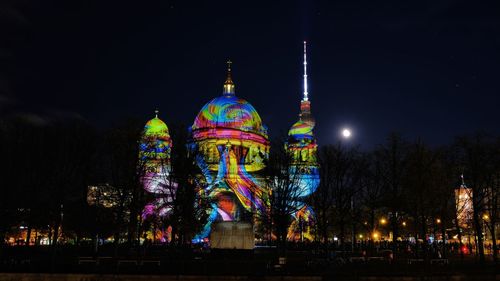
(230, 112)
(228, 117)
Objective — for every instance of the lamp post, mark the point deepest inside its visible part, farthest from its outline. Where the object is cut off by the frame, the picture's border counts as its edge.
(486, 217)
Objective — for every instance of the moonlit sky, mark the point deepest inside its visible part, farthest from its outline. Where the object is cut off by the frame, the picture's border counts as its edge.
(426, 69)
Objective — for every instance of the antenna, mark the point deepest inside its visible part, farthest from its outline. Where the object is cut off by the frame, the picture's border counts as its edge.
(305, 73)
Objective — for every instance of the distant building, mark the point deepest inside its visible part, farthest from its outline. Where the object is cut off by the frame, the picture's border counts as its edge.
(104, 195)
(463, 202)
(155, 150)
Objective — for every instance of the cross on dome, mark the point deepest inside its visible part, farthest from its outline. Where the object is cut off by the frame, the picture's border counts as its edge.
(229, 85)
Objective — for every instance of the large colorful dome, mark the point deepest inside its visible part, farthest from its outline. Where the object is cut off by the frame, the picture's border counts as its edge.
(230, 112)
(229, 118)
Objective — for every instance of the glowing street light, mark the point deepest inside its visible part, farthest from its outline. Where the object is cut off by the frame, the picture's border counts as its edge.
(438, 221)
(404, 223)
(383, 221)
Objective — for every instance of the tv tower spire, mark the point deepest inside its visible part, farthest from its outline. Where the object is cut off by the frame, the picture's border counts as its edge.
(305, 73)
(305, 104)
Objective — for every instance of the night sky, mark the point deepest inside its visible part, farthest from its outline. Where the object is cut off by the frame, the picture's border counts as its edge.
(427, 69)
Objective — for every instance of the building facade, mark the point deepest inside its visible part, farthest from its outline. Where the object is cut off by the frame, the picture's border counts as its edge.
(231, 145)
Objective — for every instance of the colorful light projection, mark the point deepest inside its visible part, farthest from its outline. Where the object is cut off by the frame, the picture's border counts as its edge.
(302, 148)
(304, 167)
(300, 228)
(160, 235)
(155, 148)
(232, 145)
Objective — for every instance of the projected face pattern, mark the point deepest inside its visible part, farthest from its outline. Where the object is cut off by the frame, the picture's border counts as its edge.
(155, 148)
(232, 143)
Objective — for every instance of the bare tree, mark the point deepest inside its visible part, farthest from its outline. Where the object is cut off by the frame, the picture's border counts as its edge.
(492, 196)
(188, 201)
(124, 171)
(10, 174)
(285, 199)
(371, 193)
(427, 189)
(323, 199)
(71, 150)
(27, 169)
(346, 185)
(391, 157)
(443, 194)
(477, 159)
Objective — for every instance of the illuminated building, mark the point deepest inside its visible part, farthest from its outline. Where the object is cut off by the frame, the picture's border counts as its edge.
(154, 155)
(105, 196)
(231, 145)
(302, 148)
(463, 201)
(464, 197)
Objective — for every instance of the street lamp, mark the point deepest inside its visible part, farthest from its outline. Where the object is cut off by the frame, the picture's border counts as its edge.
(486, 218)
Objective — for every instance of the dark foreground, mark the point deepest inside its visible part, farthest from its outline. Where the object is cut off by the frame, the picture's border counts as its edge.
(128, 277)
(40, 264)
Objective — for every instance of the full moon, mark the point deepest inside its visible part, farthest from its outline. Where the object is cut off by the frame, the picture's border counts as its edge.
(346, 133)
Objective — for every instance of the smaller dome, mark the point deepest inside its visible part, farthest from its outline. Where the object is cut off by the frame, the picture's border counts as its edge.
(301, 130)
(155, 142)
(156, 128)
